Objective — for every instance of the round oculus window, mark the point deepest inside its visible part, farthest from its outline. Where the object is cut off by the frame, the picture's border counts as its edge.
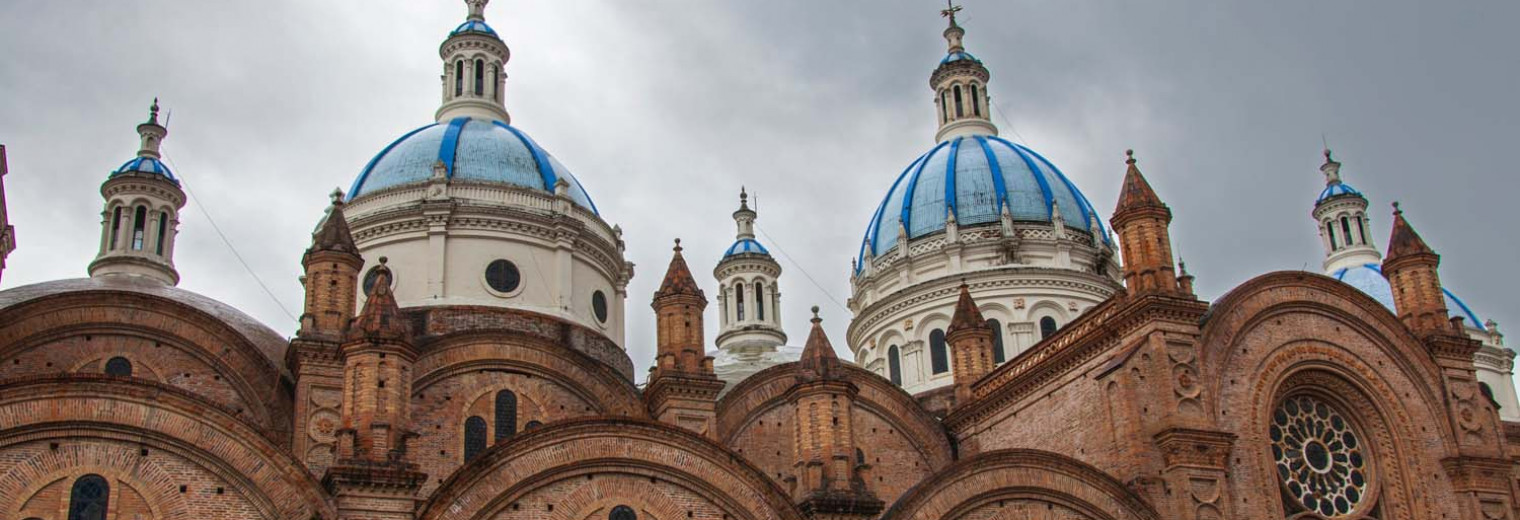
(599, 306)
(503, 276)
(1319, 457)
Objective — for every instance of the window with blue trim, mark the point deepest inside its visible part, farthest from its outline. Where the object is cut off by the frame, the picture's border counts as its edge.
(1346, 230)
(90, 498)
(939, 357)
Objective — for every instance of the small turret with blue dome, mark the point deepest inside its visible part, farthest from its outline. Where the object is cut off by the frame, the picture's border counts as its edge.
(750, 336)
(141, 216)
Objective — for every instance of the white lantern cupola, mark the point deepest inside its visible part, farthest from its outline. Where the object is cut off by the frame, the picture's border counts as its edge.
(748, 295)
(141, 217)
(1345, 231)
(474, 61)
(960, 88)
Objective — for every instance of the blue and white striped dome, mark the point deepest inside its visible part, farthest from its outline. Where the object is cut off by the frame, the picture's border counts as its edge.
(145, 165)
(1369, 279)
(1336, 190)
(975, 176)
(958, 56)
(745, 246)
(473, 26)
(473, 150)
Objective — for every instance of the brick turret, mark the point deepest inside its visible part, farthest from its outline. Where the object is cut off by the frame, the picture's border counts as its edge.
(1141, 221)
(970, 345)
(682, 387)
(1410, 267)
(373, 476)
(332, 266)
(829, 475)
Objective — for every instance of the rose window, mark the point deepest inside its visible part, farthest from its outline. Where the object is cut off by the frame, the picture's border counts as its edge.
(1319, 456)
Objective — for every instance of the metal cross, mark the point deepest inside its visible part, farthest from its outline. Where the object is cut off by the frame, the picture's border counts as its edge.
(950, 10)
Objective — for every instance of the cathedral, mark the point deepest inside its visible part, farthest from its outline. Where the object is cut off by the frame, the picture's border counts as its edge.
(1014, 355)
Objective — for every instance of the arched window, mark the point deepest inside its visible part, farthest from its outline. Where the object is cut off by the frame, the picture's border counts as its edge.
(960, 111)
(459, 78)
(860, 456)
(163, 231)
(944, 108)
(976, 102)
(939, 358)
(506, 414)
(139, 221)
(760, 301)
(115, 226)
(894, 365)
(1330, 228)
(89, 498)
(1361, 231)
(739, 297)
(1346, 230)
(480, 78)
(119, 367)
(622, 513)
(496, 82)
(1321, 459)
(474, 437)
(997, 341)
(532, 425)
(1047, 327)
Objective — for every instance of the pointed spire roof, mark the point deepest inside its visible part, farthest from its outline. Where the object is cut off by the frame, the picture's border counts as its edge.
(678, 279)
(334, 234)
(1405, 241)
(1136, 193)
(818, 354)
(381, 317)
(966, 314)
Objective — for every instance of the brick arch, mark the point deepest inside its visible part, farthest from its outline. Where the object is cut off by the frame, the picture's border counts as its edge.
(161, 417)
(1265, 300)
(600, 495)
(585, 448)
(767, 389)
(239, 359)
(577, 373)
(118, 463)
(971, 486)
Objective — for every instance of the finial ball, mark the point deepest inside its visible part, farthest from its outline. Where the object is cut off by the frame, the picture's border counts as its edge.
(383, 260)
(815, 311)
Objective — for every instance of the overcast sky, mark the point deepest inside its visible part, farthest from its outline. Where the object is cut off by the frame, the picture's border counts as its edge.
(663, 109)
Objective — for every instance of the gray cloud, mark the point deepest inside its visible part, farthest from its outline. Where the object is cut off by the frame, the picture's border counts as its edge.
(663, 109)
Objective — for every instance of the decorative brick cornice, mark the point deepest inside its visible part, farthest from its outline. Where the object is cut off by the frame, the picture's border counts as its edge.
(670, 385)
(397, 478)
(1097, 331)
(1469, 474)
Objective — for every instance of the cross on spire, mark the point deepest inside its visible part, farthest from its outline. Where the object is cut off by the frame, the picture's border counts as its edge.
(950, 10)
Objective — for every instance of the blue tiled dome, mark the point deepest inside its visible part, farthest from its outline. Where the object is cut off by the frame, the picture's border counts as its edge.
(958, 56)
(1369, 279)
(744, 246)
(1335, 190)
(145, 165)
(975, 176)
(473, 26)
(475, 150)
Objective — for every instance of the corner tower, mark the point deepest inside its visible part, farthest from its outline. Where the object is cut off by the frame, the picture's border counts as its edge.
(141, 216)
(682, 389)
(749, 297)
